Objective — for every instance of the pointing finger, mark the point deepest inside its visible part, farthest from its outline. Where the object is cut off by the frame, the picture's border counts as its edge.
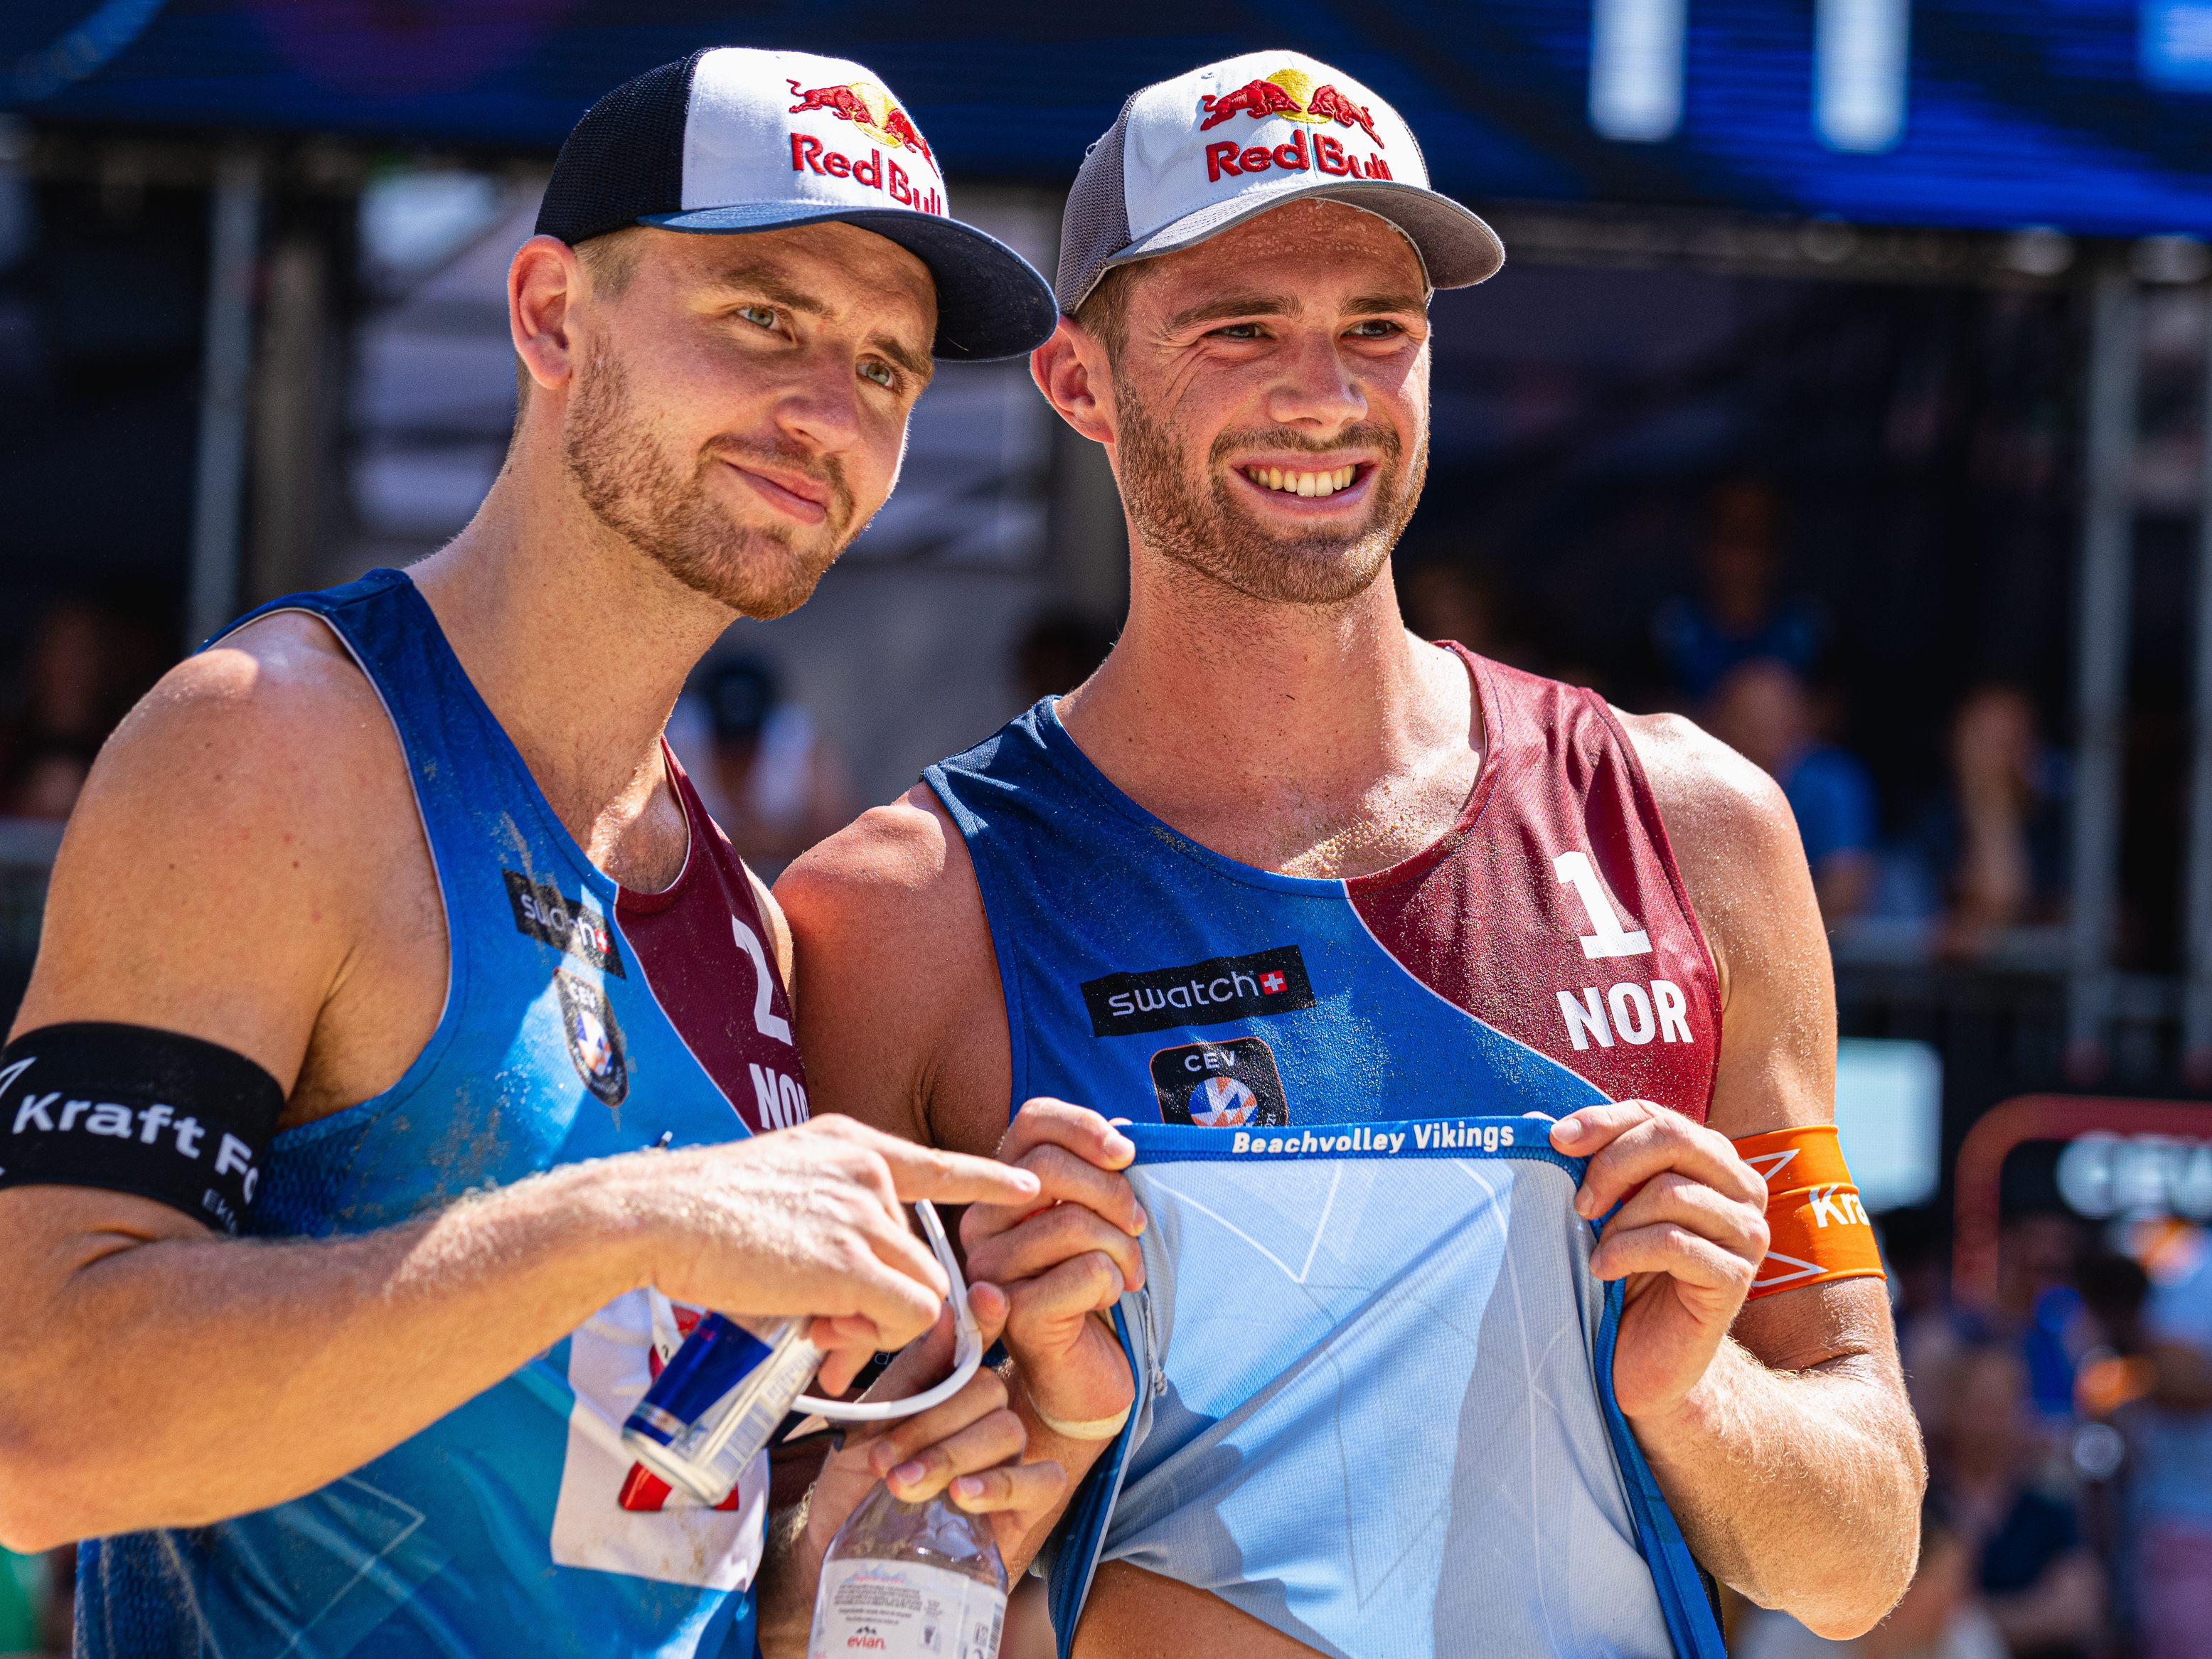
(954, 1178)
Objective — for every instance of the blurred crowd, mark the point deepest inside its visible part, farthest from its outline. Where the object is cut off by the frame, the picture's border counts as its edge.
(2070, 1439)
(1973, 871)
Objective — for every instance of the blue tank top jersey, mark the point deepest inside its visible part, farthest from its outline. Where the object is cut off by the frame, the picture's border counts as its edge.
(1375, 1405)
(579, 1021)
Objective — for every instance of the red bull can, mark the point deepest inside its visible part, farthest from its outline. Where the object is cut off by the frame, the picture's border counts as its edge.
(717, 1401)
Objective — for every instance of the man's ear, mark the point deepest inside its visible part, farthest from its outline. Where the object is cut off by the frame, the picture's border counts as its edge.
(543, 282)
(1071, 370)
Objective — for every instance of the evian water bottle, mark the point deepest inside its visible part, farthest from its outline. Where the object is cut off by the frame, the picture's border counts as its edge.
(910, 1581)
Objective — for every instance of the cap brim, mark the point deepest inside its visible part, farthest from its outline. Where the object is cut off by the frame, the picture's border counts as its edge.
(1457, 248)
(991, 302)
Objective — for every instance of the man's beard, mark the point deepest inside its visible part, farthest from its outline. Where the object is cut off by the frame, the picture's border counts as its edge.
(636, 490)
(1208, 529)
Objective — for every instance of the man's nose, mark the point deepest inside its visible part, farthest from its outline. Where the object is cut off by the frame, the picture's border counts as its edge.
(820, 404)
(1317, 387)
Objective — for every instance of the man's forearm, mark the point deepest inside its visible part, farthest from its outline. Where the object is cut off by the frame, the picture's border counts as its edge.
(1801, 1489)
(1076, 1457)
(176, 1381)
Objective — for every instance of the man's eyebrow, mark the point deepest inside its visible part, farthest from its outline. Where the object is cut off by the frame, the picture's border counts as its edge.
(915, 363)
(1236, 305)
(762, 280)
(1378, 305)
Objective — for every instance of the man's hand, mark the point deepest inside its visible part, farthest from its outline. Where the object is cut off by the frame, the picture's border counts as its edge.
(968, 1448)
(808, 1221)
(1064, 1255)
(1688, 1238)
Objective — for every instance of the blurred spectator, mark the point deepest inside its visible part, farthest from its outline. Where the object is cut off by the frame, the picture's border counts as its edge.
(2039, 1252)
(1986, 861)
(1739, 615)
(1761, 709)
(1938, 1618)
(2038, 1579)
(770, 780)
(83, 669)
(1057, 651)
(2006, 867)
(2172, 1492)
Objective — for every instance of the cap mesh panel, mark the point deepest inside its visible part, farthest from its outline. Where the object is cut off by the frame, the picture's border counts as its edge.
(1096, 224)
(624, 158)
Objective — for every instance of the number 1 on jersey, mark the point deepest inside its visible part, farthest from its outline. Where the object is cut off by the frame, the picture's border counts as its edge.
(1606, 937)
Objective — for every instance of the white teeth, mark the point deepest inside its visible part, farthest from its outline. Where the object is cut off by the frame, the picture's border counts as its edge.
(1303, 483)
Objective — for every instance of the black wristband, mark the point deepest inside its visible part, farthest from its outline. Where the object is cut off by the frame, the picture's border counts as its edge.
(132, 1109)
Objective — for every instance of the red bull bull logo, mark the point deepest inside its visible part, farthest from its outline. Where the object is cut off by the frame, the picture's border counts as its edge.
(1291, 94)
(870, 109)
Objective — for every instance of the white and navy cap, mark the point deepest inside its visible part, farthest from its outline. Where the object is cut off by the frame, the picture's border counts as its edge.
(1188, 158)
(735, 139)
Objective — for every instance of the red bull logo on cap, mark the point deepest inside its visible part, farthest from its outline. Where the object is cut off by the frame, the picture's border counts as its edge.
(868, 107)
(877, 114)
(1291, 94)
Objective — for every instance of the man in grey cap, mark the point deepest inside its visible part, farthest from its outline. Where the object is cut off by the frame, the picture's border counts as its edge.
(388, 932)
(1278, 863)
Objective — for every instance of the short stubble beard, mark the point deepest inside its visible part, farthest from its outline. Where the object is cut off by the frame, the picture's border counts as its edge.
(637, 491)
(1206, 528)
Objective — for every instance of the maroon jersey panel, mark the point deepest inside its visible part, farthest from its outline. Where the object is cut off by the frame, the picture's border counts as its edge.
(707, 953)
(1554, 911)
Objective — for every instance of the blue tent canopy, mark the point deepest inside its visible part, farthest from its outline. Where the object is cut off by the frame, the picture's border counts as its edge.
(2092, 115)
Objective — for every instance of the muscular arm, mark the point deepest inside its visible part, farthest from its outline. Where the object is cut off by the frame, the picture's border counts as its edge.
(227, 875)
(904, 1026)
(1794, 1465)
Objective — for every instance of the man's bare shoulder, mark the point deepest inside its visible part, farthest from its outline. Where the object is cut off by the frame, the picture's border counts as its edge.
(221, 841)
(1735, 842)
(902, 865)
(1709, 796)
(899, 1013)
(280, 688)
(239, 750)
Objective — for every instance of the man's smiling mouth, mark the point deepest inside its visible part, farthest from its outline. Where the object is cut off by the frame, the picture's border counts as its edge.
(1325, 482)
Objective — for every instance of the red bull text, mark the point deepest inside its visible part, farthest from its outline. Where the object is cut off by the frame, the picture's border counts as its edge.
(1290, 95)
(870, 108)
(1327, 155)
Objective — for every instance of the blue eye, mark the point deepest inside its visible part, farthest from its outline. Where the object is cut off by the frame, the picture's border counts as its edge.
(881, 373)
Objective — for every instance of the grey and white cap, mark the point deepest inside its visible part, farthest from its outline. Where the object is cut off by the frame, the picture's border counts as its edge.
(1188, 158)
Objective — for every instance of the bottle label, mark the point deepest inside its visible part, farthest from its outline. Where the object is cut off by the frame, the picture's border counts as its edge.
(904, 1610)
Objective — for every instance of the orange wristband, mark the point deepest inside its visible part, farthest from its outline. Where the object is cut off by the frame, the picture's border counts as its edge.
(1817, 1229)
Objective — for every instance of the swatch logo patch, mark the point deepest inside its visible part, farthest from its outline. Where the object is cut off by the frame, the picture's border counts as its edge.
(574, 925)
(1199, 992)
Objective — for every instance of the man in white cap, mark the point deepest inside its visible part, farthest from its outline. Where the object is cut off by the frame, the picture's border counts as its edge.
(1377, 882)
(388, 933)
